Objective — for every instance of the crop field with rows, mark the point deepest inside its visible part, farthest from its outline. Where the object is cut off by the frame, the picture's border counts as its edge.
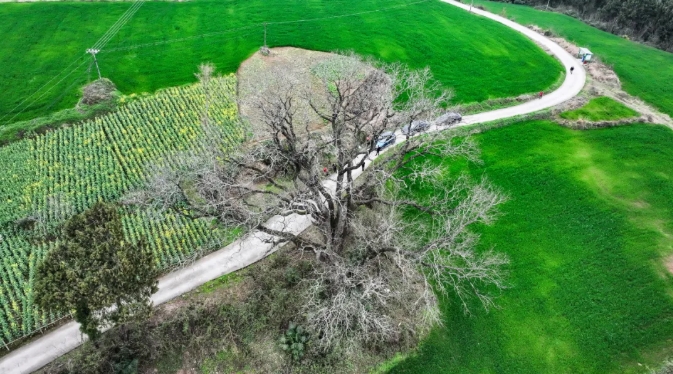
(63, 172)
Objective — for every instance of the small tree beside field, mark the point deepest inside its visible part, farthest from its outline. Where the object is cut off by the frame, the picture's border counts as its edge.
(96, 273)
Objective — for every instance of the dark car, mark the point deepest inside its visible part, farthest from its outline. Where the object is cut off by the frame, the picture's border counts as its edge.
(448, 119)
(415, 128)
(385, 139)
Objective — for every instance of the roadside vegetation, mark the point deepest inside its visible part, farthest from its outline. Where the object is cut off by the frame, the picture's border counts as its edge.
(373, 279)
(164, 41)
(644, 71)
(234, 324)
(601, 109)
(97, 272)
(374, 276)
(588, 231)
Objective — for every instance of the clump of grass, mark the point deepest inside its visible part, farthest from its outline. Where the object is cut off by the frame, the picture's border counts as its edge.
(223, 281)
(601, 109)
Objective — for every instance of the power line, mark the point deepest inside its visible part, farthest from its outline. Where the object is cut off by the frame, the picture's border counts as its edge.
(112, 31)
(93, 54)
(254, 26)
(38, 90)
(69, 73)
(109, 34)
(349, 15)
(124, 18)
(45, 92)
(62, 79)
(170, 41)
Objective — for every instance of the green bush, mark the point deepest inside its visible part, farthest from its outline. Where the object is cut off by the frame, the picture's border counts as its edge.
(294, 341)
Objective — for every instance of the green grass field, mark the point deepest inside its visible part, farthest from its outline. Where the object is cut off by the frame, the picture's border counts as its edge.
(165, 41)
(587, 229)
(645, 72)
(601, 109)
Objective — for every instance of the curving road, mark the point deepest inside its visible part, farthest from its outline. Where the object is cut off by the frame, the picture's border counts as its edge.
(256, 245)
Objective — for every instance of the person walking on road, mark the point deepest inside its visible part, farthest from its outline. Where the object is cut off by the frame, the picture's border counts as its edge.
(378, 149)
(572, 68)
(541, 93)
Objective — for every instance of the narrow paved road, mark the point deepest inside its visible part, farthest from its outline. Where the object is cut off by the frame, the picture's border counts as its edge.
(256, 246)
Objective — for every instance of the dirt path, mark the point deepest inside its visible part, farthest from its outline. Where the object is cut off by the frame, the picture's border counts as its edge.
(257, 245)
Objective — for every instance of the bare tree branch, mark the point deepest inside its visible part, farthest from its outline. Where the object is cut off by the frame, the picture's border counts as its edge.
(374, 261)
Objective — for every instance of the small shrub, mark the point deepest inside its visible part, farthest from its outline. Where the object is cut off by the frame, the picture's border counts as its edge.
(294, 341)
(98, 91)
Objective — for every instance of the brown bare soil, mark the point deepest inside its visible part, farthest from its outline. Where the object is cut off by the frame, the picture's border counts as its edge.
(295, 65)
(669, 264)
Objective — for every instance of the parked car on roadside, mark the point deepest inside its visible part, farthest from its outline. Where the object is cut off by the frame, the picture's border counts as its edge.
(415, 128)
(448, 119)
(385, 139)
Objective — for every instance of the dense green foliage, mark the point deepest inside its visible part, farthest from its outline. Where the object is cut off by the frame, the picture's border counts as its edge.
(647, 20)
(63, 172)
(164, 42)
(94, 267)
(601, 109)
(644, 71)
(588, 230)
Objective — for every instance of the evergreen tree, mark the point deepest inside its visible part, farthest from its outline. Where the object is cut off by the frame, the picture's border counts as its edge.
(97, 273)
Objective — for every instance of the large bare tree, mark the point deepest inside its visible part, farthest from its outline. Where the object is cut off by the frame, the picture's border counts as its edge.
(373, 262)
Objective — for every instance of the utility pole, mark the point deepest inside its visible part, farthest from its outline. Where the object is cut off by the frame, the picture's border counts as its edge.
(93, 53)
(548, 1)
(471, 4)
(265, 50)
